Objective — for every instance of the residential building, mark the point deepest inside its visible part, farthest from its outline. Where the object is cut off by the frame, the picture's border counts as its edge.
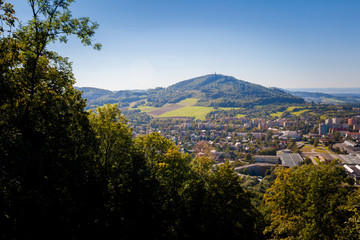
(323, 129)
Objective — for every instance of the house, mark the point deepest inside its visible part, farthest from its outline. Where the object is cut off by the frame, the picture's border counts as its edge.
(342, 131)
(353, 171)
(290, 134)
(353, 135)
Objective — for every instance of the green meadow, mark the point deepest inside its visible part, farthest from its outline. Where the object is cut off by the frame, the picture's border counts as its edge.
(197, 112)
(188, 102)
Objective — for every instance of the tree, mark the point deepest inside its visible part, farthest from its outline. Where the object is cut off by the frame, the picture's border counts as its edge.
(310, 202)
(46, 144)
(316, 143)
(124, 190)
(203, 147)
(227, 207)
(307, 161)
(170, 169)
(248, 157)
(114, 136)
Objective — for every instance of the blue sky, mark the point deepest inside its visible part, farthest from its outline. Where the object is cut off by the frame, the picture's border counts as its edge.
(277, 43)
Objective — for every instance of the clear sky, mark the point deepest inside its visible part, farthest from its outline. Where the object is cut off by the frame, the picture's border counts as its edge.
(277, 43)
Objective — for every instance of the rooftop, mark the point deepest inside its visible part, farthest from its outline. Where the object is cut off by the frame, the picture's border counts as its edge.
(290, 159)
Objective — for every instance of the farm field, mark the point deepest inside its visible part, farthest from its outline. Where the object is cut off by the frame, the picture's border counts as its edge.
(157, 111)
(186, 108)
(167, 108)
(197, 112)
(188, 102)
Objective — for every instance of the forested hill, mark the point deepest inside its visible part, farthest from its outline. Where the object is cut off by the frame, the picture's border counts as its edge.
(212, 90)
(226, 91)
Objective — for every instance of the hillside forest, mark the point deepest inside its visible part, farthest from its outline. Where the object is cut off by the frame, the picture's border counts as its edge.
(69, 173)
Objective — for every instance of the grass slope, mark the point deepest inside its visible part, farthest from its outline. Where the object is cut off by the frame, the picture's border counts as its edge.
(197, 112)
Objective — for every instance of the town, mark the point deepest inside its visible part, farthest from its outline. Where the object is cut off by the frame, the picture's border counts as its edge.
(255, 145)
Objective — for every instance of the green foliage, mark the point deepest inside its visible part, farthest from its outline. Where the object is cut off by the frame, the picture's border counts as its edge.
(216, 206)
(310, 202)
(46, 142)
(316, 143)
(124, 187)
(7, 17)
(307, 161)
(113, 134)
(268, 151)
(198, 202)
(52, 21)
(248, 157)
(153, 146)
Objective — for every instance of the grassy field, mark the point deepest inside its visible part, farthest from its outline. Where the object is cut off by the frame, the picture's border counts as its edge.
(307, 148)
(156, 111)
(291, 111)
(189, 111)
(298, 113)
(186, 108)
(188, 102)
(277, 114)
(310, 148)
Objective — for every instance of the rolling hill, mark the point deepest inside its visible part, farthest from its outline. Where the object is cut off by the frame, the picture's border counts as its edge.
(212, 90)
(226, 91)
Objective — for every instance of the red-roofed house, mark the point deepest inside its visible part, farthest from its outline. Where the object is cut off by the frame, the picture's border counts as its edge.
(354, 135)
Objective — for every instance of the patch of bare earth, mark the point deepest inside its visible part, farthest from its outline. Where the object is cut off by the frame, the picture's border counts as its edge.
(164, 109)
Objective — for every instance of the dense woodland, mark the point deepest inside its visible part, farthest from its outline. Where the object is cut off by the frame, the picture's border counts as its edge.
(67, 173)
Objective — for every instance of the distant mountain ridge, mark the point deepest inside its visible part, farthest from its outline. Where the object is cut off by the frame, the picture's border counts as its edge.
(214, 90)
(332, 91)
(326, 98)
